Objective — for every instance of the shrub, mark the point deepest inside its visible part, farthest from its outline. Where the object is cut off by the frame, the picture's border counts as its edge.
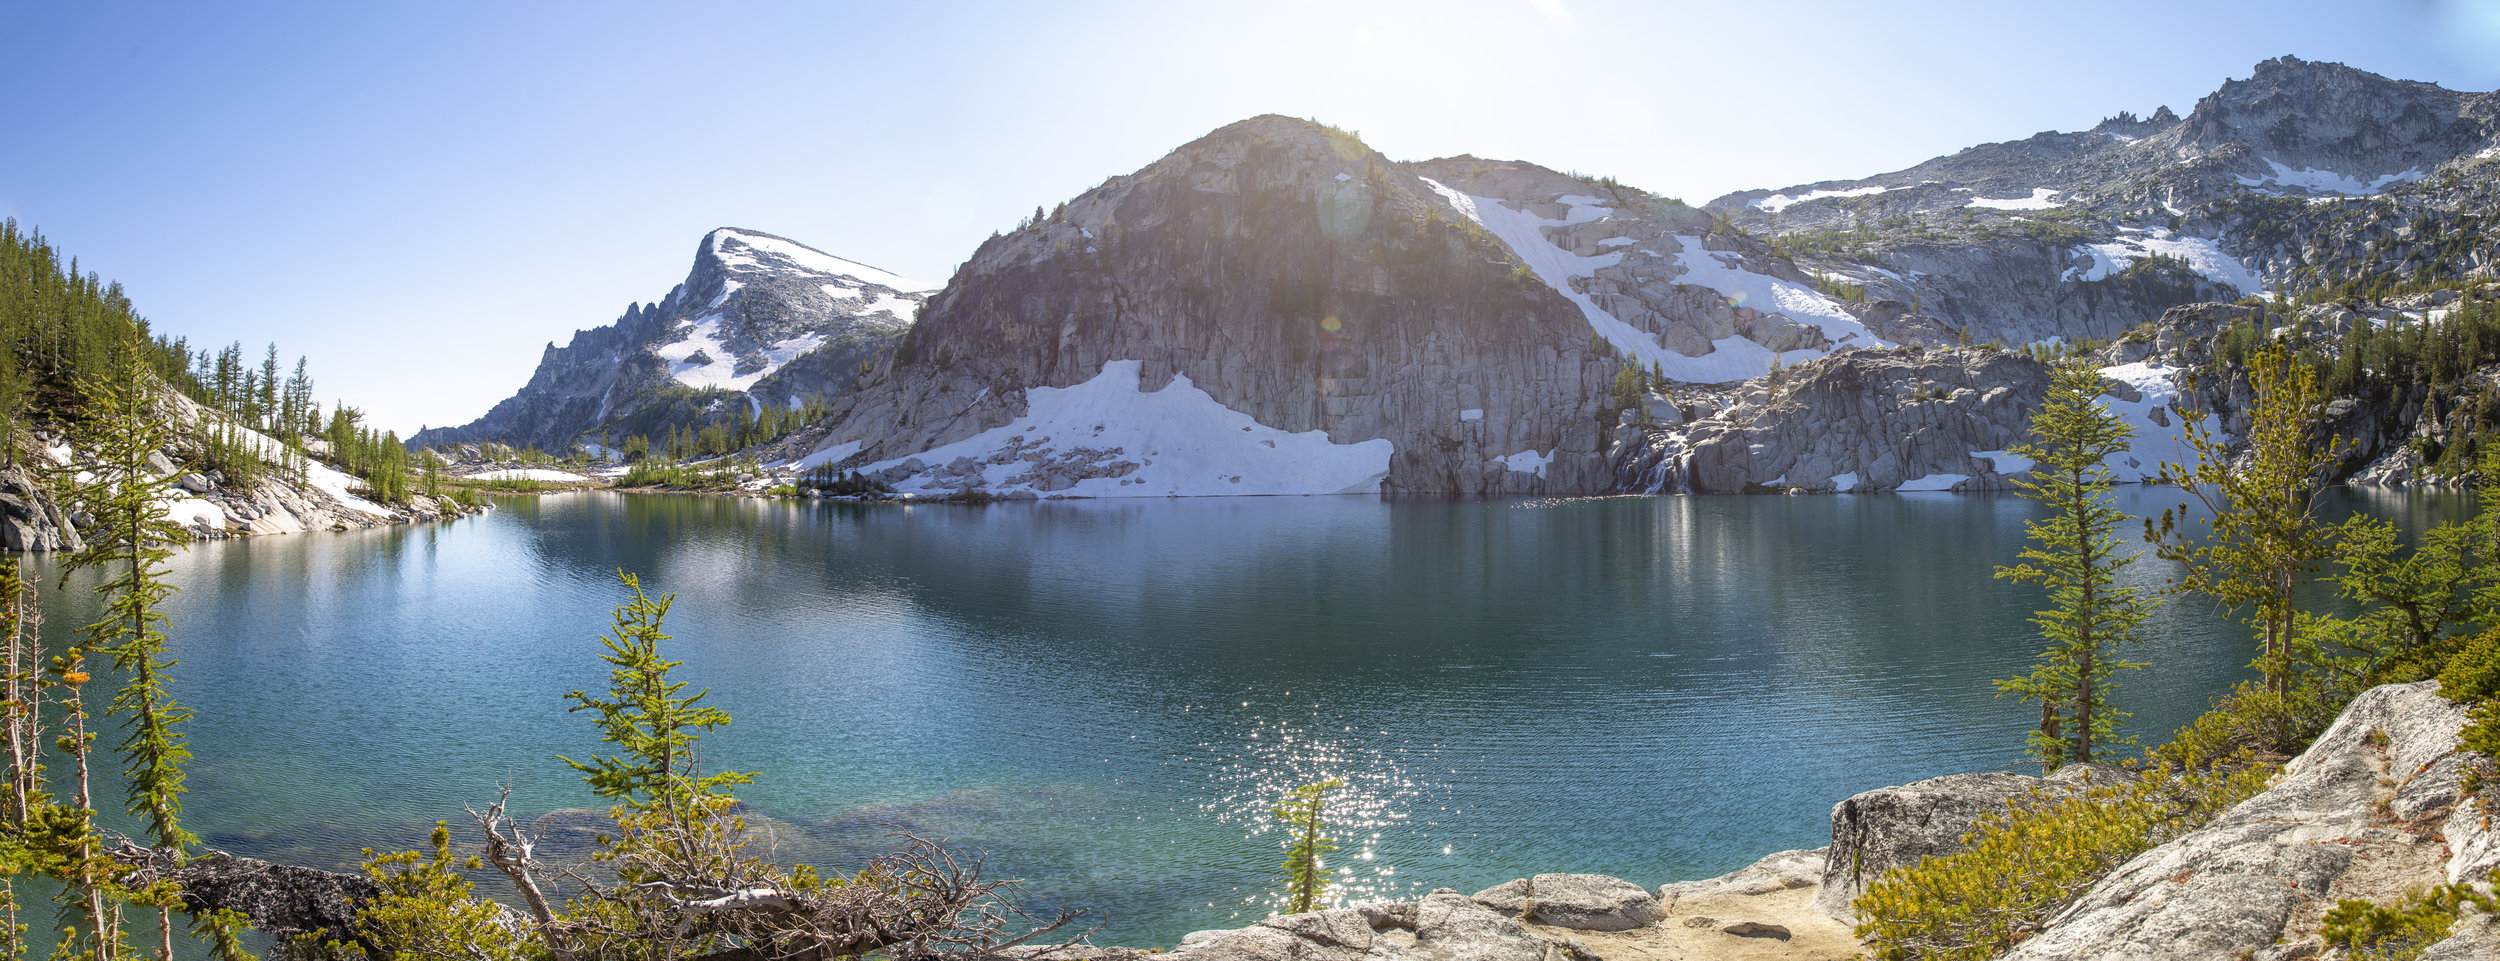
(2023, 865)
(2400, 932)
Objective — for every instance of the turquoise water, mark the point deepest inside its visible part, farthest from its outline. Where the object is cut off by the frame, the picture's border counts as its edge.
(1105, 696)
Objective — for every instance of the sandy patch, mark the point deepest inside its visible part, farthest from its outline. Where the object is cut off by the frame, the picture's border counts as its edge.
(1683, 935)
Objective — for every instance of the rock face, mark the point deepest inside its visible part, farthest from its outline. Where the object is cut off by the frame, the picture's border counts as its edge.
(1894, 827)
(1297, 280)
(29, 520)
(2301, 167)
(1860, 420)
(759, 319)
(2329, 829)
(1581, 902)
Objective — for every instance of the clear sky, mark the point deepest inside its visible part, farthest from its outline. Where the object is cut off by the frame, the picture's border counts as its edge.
(420, 196)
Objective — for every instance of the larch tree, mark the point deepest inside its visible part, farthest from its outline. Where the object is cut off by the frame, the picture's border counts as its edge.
(2262, 535)
(2078, 557)
(127, 546)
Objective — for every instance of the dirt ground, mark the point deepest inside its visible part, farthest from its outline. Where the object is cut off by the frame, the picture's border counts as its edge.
(1690, 932)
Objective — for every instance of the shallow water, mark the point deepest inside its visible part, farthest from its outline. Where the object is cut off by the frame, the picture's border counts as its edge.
(1106, 696)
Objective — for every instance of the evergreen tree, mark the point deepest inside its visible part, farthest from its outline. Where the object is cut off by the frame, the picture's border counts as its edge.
(646, 715)
(1303, 814)
(265, 400)
(128, 545)
(2076, 555)
(2262, 535)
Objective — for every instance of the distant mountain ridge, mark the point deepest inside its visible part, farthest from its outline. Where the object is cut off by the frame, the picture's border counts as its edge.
(759, 319)
(1473, 315)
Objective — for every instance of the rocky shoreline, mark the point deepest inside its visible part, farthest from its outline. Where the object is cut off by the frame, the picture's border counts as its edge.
(2374, 810)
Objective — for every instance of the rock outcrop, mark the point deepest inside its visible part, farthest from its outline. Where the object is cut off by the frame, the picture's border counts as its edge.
(1441, 926)
(2370, 810)
(760, 319)
(1860, 420)
(1895, 827)
(1581, 902)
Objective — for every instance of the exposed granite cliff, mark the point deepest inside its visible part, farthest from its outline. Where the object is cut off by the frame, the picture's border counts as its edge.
(1293, 276)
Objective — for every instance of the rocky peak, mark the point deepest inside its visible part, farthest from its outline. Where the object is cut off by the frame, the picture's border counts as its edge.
(2301, 117)
(758, 314)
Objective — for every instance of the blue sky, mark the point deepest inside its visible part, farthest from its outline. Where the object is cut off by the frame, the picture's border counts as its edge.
(420, 196)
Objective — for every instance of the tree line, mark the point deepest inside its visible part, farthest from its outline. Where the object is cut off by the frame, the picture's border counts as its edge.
(63, 331)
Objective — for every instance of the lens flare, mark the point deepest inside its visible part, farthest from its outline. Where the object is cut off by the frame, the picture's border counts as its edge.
(1331, 324)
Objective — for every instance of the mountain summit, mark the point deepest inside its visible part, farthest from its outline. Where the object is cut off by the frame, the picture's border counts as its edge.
(760, 320)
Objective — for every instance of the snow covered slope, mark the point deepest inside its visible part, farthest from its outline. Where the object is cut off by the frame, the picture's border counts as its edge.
(759, 315)
(1107, 437)
(1646, 258)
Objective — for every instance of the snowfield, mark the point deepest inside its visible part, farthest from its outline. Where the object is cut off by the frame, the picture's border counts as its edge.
(527, 473)
(1731, 358)
(2154, 441)
(739, 249)
(2202, 255)
(2327, 180)
(1174, 442)
(871, 294)
(1779, 202)
(2039, 200)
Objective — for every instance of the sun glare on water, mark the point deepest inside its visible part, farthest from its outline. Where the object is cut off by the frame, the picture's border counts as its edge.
(1369, 817)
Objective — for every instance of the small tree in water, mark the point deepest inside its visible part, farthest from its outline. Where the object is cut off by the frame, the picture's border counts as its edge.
(2076, 555)
(1306, 867)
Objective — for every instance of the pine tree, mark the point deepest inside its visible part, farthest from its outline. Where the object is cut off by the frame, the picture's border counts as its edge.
(645, 716)
(2263, 535)
(266, 400)
(2076, 555)
(1303, 813)
(128, 545)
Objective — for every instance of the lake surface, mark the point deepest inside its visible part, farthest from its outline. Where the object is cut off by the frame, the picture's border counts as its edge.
(1107, 695)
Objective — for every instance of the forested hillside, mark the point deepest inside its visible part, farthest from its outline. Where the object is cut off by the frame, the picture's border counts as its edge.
(244, 426)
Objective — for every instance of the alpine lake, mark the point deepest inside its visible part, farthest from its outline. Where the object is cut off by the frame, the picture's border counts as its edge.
(1107, 696)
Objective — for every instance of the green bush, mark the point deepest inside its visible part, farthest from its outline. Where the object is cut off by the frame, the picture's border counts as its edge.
(2025, 864)
(2400, 932)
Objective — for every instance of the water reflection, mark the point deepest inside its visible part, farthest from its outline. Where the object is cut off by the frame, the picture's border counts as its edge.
(1105, 695)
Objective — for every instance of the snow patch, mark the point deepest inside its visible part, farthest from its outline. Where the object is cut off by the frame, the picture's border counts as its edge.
(1779, 202)
(1932, 482)
(527, 473)
(2004, 462)
(335, 484)
(1180, 441)
(2153, 442)
(1471, 413)
(2203, 255)
(716, 366)
(2327, 180)
(2039, 200)
(830, 455)
(808, 258)
(194, 512)
(1731, 358)
(1843, 483)
(1527, 462)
